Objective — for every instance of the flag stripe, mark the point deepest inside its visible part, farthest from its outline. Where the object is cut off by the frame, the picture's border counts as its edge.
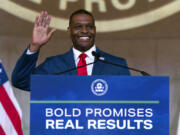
(10, 110)
(10, 93)
(6, 123)
(178, 128)
(2, 131)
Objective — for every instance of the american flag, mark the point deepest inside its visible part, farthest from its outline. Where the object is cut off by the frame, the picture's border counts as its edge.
(10, 112)
(178, 129)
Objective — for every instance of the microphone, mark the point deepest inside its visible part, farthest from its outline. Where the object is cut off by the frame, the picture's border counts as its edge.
(102, 59)
(97, 55)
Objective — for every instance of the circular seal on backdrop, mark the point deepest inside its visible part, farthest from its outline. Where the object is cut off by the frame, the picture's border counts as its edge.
(128, 19)
(99, 87)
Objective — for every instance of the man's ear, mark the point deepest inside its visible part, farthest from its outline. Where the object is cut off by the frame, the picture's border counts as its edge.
(95, 29)
(69, 30)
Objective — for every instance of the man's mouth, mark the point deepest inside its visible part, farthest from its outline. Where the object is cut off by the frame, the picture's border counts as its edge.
(84, 38)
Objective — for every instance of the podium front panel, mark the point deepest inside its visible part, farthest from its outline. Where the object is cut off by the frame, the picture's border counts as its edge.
(99, 105)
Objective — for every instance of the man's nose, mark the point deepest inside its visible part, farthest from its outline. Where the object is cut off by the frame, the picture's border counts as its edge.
(84, 29)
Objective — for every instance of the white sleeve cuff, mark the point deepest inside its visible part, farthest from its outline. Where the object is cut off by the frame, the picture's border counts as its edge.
(29, 52)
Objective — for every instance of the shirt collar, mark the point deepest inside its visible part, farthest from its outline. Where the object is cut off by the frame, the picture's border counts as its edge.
(88, 52)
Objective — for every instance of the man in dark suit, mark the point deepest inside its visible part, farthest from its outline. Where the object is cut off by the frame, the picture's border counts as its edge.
(82, 31)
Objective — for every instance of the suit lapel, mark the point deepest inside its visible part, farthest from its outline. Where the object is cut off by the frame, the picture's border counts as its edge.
(69, 61)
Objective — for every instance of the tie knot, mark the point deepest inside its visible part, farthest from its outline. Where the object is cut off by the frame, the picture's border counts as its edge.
(82, 56)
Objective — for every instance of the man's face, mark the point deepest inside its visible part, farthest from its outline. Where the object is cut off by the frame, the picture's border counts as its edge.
(82, 31)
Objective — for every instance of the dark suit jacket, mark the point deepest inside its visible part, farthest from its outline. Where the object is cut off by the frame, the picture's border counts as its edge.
(26, 66)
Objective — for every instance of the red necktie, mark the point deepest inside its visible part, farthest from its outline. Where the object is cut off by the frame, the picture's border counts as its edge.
(82, 61)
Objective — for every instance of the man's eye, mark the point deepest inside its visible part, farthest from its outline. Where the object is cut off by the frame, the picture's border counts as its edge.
(77, 27)
(90, 27)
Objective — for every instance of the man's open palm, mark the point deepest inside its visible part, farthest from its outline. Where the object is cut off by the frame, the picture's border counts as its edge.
(40, 32)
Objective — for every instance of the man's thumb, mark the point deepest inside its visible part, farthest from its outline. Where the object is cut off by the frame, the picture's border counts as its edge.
(51, 33)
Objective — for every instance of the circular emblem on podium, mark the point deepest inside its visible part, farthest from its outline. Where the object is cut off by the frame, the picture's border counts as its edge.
(99, 87)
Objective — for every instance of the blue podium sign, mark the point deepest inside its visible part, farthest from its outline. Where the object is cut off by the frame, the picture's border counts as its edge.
(99, 105)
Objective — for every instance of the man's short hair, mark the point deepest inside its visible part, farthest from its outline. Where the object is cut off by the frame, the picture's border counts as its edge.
(80, 11)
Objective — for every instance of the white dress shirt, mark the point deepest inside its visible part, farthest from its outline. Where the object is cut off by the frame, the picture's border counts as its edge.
(89, 59)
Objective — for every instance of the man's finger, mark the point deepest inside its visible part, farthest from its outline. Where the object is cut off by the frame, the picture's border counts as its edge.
(36, 21)
(41, 18)
(44, 18)
(48, 20)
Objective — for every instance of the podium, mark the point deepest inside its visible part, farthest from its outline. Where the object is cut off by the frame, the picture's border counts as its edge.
(99, 105)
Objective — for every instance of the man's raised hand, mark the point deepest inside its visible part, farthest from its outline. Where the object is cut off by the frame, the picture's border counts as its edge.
(40, 32)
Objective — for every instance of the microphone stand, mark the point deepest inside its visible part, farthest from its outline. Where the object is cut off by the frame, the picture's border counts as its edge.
(99, 58)
(133, 69)
(72, 69)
